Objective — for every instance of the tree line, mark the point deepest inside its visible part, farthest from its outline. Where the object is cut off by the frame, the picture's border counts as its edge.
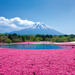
(12, 38)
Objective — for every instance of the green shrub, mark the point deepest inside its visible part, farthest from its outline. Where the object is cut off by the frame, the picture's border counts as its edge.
(8, 41)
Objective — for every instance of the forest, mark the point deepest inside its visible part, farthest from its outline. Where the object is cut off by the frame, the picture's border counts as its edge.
(12, 38)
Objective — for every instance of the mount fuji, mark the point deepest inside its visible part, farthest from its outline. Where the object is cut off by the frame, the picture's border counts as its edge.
(37, 28)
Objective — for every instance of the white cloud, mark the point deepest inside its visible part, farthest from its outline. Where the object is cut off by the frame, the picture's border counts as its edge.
(15, 23)
(20, 21)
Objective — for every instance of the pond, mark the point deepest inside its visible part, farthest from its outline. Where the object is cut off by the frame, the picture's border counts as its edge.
(32, 46)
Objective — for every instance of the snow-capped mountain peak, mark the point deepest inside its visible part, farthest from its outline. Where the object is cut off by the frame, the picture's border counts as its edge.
(38, 28)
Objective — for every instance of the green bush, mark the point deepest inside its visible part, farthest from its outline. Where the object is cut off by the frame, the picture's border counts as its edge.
(8, 41)
(17, 40)
(8, 38)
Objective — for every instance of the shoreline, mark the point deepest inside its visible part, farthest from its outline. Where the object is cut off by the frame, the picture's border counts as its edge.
(28, 43)
(44, 42)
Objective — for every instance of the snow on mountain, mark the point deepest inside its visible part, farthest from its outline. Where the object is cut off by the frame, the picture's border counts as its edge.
(37, 28)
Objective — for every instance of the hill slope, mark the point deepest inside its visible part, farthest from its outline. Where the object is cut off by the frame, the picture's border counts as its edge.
(37, 29)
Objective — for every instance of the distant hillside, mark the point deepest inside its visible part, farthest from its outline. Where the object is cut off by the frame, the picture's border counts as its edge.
(37, 29)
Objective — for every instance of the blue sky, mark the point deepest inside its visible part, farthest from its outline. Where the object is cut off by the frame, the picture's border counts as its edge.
(59, 14)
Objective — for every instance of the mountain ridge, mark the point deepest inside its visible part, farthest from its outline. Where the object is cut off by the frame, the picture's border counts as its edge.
(37, 29)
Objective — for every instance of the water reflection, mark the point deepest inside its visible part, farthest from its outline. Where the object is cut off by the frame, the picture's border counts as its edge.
(33, 46)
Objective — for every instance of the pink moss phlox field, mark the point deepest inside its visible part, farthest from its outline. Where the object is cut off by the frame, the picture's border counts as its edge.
(37, 62)
(43, 42)
(20, 43)
(66, 43)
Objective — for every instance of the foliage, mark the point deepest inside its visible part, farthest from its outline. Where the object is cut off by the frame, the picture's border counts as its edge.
(9, 38)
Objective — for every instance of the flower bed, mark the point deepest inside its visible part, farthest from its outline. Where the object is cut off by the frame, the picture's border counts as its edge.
(37, 62)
